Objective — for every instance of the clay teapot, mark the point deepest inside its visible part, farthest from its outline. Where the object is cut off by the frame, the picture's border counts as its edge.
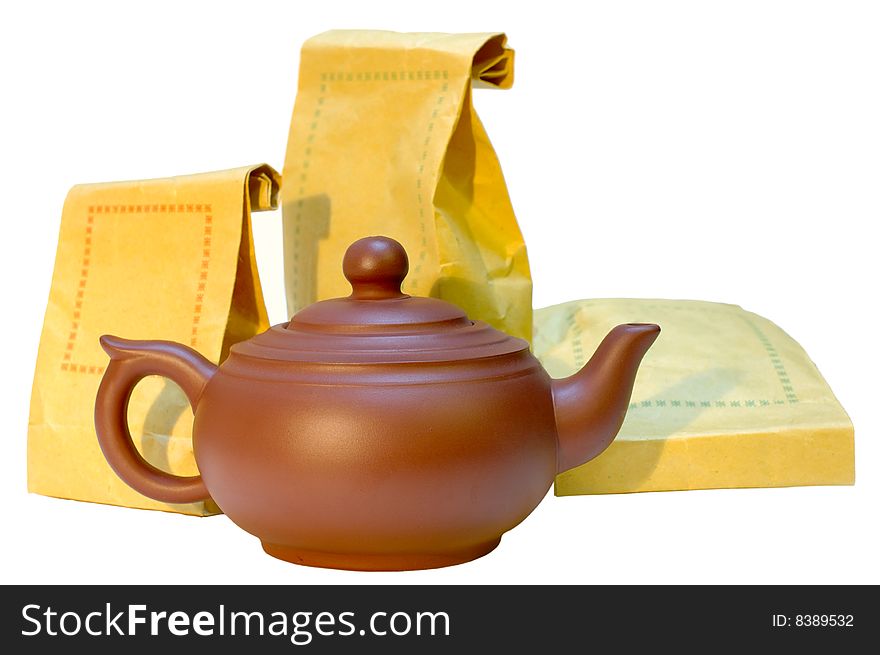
(378, 431)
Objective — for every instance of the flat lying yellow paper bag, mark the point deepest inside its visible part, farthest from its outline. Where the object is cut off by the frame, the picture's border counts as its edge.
(155, 259)
(724, 398)
(384, 140)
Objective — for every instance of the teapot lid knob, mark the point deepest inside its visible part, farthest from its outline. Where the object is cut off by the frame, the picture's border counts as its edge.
(375, 267)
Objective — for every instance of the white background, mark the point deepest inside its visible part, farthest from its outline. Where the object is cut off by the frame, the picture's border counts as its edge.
(719, 151)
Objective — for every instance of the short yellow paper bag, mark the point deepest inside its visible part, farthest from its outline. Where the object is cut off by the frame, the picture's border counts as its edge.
(384, 140)
(723, 399)
(155, 259)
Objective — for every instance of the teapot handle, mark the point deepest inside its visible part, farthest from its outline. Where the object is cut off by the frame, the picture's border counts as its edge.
(131, 361)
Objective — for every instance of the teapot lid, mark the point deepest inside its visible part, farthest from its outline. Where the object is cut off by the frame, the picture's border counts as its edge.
(378, 323)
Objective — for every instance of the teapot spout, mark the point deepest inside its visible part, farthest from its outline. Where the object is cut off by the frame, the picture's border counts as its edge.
(591, 404)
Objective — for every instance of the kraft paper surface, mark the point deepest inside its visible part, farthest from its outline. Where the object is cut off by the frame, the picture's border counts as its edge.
(156, 259)
(384, 140)
(724, 398)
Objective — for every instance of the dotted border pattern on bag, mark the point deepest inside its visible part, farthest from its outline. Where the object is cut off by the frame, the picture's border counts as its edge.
(68, 363)
(373, 76)
(791, 398)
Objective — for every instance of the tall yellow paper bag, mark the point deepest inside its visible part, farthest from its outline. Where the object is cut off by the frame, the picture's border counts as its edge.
(384, 139)
(156, 259)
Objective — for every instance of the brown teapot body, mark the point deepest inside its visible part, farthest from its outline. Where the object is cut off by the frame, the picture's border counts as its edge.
(376, 432)
(397, 471)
